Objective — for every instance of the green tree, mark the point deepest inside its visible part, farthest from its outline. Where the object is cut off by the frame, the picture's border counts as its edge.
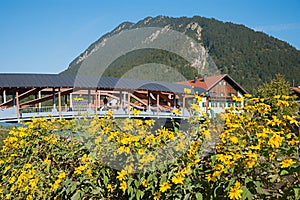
(277, 92)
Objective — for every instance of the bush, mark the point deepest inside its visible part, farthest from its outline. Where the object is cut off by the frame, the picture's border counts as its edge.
(256, 156)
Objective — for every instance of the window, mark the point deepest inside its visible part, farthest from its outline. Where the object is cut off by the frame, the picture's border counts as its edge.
(222, 94)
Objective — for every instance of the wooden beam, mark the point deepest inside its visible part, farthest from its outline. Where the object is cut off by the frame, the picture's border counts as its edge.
(138, 99)
(21, 96)
(45, 98)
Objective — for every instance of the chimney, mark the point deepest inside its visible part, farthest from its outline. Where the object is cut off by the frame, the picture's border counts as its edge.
(195, 78)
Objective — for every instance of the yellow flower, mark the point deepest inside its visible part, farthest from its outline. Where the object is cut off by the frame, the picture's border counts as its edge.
(11, 180)
(177, 180)
(195, 107)
(136, 112)
(283, 103)
(149, 122)
(55, 185)
(235, 192)
(234, 139)
(29, 197)
(62, 175)
(28, 166)
(110, 188)
(176, 112)
(275, 141)
(165, 186)
(209, 178)
(123, 186)
(8, 196)
(46, 161)
(156, 196)
(110, 113)
(247, 95)
(78, 170)
(121, 175)
(286, 163)
(276, 97)
(141, 151)
(138, 122)
(145, 183)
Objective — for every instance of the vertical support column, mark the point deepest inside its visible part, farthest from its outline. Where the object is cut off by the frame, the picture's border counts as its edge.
(66, 102)
(4, 96)
(96, 101)
(40, 104)
(148, 101)
(54, 99)
(59, 103)
(157, 103)
(121, 100)
(89, 98)
(14, 98)
(183, 105)
(174, 102)
(128, 103)
(71, 102)
(99, 98)
(17, 105)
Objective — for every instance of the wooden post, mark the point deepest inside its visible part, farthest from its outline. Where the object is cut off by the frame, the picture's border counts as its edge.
(99, 98)
(96, 101)
(183, 105)
(157, 103)
(71, 101)
(4, 96)
(128, 103)
(174, 102)
(121, 100)
(89, 98)
(54, 99)
(148, 101)
(40, 104)
(59, 103)
(17, 104)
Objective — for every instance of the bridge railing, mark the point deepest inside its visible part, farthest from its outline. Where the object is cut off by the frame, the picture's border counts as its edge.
(36, 109)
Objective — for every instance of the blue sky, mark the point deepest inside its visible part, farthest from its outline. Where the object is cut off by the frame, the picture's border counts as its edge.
(44, 36)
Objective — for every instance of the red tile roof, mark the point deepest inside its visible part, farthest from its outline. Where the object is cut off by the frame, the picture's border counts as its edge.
(206, 84)
(296, 89)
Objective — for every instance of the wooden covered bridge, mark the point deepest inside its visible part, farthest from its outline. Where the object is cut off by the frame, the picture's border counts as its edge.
(24, 96)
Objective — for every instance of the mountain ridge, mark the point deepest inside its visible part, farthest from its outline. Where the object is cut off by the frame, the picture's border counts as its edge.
(250, 57)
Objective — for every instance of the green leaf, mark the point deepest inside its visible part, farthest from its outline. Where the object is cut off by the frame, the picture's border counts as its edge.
(284, 172)
(96, 190)
(76, 196)
(136, 183)
(105, 180)
(246, 193)
(257, 184)
(297, 193)
(199, 196)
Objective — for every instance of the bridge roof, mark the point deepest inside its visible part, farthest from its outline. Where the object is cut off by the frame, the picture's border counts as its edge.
(88, 82)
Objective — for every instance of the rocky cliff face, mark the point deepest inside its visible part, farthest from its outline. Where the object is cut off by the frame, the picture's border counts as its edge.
(210, 47)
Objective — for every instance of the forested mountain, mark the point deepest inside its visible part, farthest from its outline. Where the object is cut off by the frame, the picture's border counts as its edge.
(250, 57)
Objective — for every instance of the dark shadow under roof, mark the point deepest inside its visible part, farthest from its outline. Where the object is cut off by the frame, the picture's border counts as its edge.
(88, 82)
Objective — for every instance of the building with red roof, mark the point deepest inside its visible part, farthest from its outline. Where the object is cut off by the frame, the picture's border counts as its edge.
(220, 92)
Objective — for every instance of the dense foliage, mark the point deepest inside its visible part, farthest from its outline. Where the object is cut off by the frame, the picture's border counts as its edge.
(250, 57)
(256, 157)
